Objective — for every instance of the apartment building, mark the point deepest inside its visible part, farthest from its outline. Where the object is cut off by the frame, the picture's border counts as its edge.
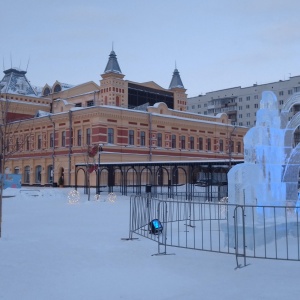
(242, 103)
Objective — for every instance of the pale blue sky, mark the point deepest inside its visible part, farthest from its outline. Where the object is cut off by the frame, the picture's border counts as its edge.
(216, 44)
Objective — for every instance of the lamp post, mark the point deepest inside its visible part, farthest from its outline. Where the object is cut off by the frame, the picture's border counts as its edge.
(100, 149)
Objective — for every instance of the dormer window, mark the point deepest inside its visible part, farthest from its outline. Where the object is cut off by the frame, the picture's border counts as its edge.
(57, 88)
(46, 91)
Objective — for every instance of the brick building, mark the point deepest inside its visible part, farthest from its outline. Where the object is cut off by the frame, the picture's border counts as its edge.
(54, 126)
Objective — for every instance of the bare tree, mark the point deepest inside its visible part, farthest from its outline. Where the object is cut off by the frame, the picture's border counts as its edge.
(11, 141)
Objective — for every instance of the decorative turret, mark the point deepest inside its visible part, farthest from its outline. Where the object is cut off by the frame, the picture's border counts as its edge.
(112, 84)
(176, 86)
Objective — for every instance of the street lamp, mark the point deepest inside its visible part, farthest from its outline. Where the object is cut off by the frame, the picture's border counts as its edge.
(100, 149)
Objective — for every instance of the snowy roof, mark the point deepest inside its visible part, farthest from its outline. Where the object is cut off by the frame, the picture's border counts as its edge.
(15, 82)
(112, 64)
(41, 113)
(176, 81)
(65, 86)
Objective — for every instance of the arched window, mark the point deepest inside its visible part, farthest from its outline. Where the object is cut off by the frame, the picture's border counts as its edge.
(46, 91)
(50, 174)
(38, 174)
(26, 178)
(57, 88)
(17, 170)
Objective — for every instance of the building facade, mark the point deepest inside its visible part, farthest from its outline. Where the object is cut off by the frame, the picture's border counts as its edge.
(57, 127)
(241, 104)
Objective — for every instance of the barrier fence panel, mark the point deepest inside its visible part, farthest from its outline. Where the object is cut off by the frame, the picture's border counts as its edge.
(245, 231)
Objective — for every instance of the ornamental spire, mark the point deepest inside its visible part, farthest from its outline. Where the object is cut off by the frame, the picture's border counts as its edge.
(112, 64)
(176, 80)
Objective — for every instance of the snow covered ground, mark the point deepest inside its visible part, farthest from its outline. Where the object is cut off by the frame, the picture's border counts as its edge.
(51, 249)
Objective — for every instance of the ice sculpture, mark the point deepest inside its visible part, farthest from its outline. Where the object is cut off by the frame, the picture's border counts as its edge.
(269, 174)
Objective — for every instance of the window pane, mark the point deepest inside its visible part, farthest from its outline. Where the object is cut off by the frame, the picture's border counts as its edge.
(143, 139)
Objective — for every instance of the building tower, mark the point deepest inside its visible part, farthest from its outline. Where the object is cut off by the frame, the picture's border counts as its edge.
(176, 86)
(113, 89)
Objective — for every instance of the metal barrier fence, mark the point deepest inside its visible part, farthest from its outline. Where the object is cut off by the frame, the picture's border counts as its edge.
(270, 232)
